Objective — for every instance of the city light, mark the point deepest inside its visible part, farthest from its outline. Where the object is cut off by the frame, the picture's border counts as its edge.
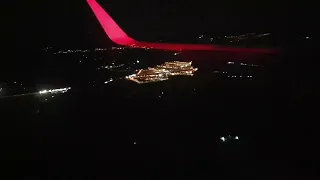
(54, 91)
(72, 51)
(110, 80)
(229, 138)
(114, 66)
(162, 72)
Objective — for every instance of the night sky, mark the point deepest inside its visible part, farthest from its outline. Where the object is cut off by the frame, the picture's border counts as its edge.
(70, 23)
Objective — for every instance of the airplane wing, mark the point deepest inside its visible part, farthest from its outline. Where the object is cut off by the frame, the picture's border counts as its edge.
(118, 36)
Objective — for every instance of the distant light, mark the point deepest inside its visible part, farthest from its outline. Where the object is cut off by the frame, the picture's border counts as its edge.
(51, 91)
(236, 137)
(110, 80)
(134, 142)
(230, 62)
(138, 61)
(307, 37)
(223, 139)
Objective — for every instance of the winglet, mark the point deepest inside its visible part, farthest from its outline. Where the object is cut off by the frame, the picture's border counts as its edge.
(111, 28)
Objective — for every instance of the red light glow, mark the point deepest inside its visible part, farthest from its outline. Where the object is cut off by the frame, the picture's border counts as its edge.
(118, 36)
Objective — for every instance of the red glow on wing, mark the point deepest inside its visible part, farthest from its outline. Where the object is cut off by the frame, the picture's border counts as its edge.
(113, 31)
(118, 36)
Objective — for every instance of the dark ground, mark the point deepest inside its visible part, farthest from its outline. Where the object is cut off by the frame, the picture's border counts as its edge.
(91, 131)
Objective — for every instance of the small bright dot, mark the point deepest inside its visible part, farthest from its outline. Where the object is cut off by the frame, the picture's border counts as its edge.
(236, 137)
(223, 139)
(134, 142)
(138, 61)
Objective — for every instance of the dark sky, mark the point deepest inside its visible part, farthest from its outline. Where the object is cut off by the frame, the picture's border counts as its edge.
(71, 23)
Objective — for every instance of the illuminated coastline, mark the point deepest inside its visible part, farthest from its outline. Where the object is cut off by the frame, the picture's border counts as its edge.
(163, 72)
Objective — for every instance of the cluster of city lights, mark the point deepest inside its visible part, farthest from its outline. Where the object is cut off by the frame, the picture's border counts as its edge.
(110, 80)
(118, 48)
(242, 36)
(86, 50)
(240, 76)
(162, 72)
(101, 49)
(237, 38)
(227, 138)
(55, 91)
(72, 51)
(246, 36)
(244, 64)
(106, 49)
(142, 47)
(114, 66)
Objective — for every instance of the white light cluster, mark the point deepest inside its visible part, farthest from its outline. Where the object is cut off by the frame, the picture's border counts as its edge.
(223, 139)
(162, 72)
(118, 48)
(110, 80)
(101, 49)
(54, 91)
(114, 66)
(72, 51)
